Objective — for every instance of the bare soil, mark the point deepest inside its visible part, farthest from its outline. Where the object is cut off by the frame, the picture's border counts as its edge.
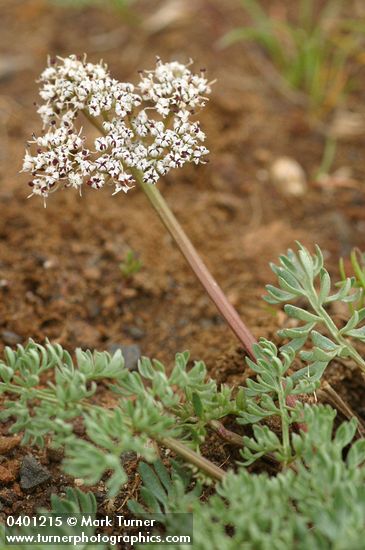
(59, 266)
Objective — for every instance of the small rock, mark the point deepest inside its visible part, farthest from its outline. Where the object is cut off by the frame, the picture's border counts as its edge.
(131, 354)
(92, 273)
(135, 332)
(79, 482)
(343, 173)
(10, 338)
(129, 292)
(288, 176)
(4, 283)
(55, 455)
(17, 490)
(49, 264)
(263, 156)
(234, 296)
(8, 497)
(168, 14)
(7, 444)
(6, 476)
(32, 473)
(347, 125)
(110, 302)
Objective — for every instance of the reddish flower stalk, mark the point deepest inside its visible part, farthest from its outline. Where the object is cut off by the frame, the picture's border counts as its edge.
(204, 276)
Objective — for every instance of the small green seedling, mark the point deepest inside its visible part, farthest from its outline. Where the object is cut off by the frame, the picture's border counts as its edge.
(130, 265)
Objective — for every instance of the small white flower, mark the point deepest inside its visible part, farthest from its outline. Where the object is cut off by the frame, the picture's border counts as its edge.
(97, 181)
(145, 128)
(172, 85)
(75, 179)
(28, 162)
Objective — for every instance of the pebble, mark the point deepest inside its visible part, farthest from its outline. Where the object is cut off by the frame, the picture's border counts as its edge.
(263, 156)
(10, 338)
(92, 273)
(7, 497)
(32, 473)
(347, 125)
(129, 292)
(168, 14)
(131, 354)
(135, 332)
(288, 177)
(99, 495)
(110, 302)
(7, 444)
(6, 475)
(55, 455)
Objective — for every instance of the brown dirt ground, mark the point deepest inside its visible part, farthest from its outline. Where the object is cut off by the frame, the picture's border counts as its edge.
(59, 266)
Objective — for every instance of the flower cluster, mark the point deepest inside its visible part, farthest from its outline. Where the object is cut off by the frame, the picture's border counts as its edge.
(145, 130)
(172, 86)
(72, 85)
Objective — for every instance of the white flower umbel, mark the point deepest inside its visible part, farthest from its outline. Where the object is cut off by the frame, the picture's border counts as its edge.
(61, 157)
(145, 129)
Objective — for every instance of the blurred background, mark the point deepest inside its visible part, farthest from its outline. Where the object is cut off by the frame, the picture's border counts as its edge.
(285, 127)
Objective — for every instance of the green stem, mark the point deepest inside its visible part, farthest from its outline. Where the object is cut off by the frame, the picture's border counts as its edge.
(226, 435)
(46, 395)
(333, 330)
(199, 268)
(340, 339)
(284, 424)
(194, 458)
(328, 156)
(235, 439)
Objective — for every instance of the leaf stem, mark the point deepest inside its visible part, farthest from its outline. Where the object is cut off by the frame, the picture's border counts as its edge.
(235, 439)
(226, 435)
(284, 423)
(194, 458)
(334, 331)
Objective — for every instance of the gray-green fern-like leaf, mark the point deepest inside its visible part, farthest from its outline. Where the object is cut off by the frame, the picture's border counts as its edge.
(319, 504)
(302, 275)
(74, 502)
